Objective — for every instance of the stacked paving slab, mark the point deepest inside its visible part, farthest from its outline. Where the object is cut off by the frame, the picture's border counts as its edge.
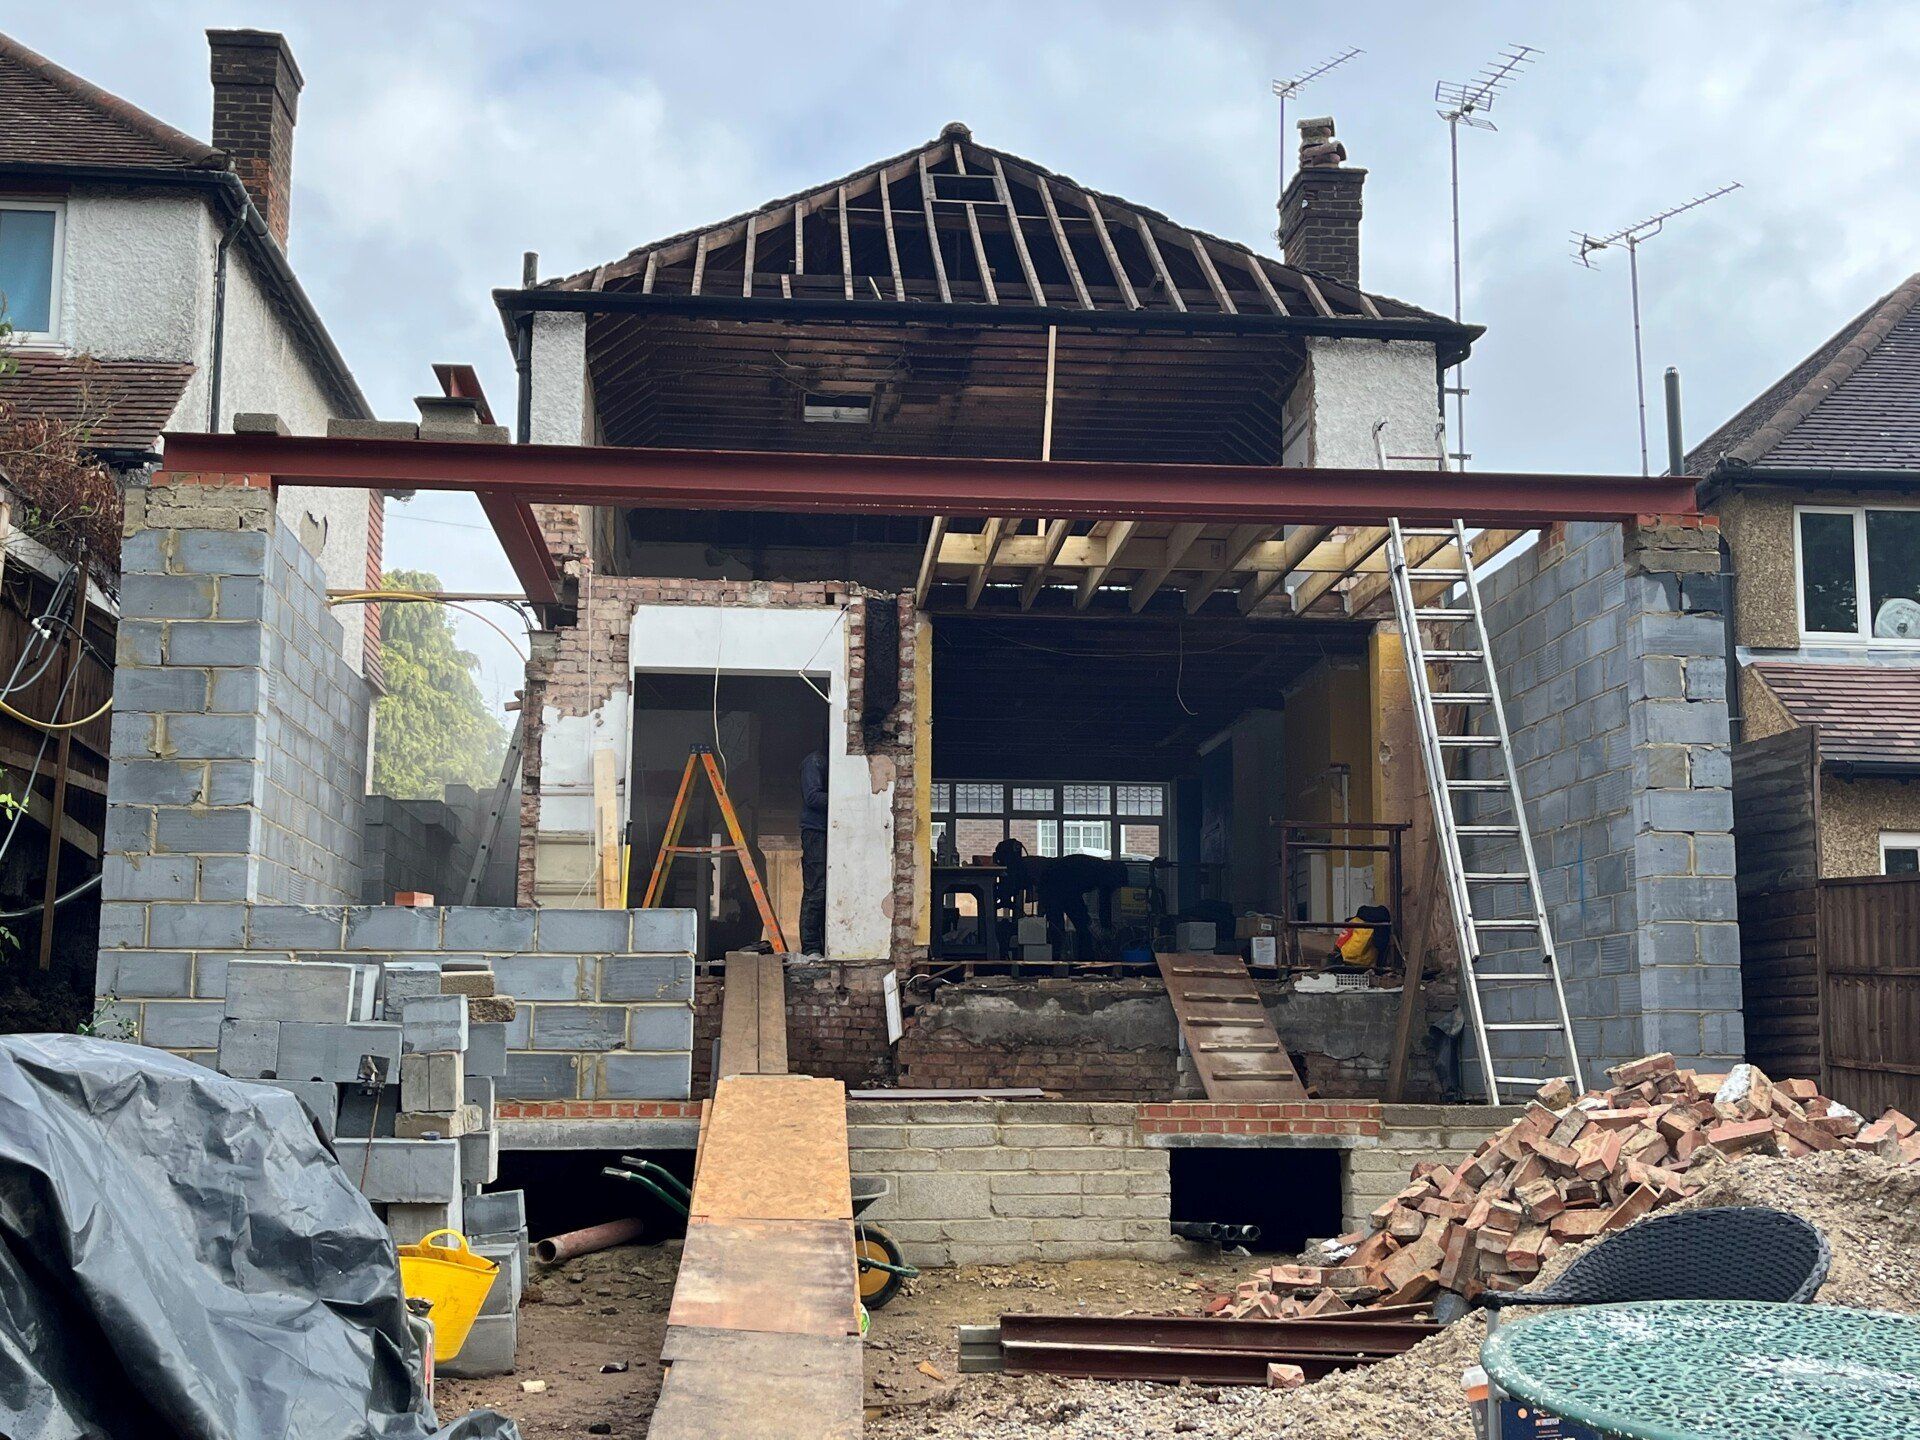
(398, 1062)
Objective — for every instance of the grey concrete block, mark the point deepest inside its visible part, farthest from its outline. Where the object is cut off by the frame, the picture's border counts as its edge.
(406, 980)
(646, 977)
(210, 976)
(181, 1024)
(221, 552)
(217, 642)
(489, 1348)
(579, 1027)
(486, 1051)
(411, 1224)
(122, 925)
(249, 1049)
(504, 1297)
(659, 1076)
(227, 877)
(586, 931)
(165, 597)
(147, 974)
(137, 689)
(481, 1092)
(139, 643)
(236, 692)
(541, 977)
(198, 927)
(403, 1172)
(662, 932)
(284, 990)
(240, 597)
(204, 832)
(499, 1212)
(499, 930)
(366, 1116)
(157, 782)
(295, 927)
(434, 1022)
(343, 428)
(310, 1051)
(535, 1076)
(393, 928)
(431, 1082)
(480, 1156)
(322, 1101)
(658, 1027)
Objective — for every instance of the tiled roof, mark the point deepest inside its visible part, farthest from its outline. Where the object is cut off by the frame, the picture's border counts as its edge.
(49, 116)
(1854, 404)
(1867, 715)
(122, 404)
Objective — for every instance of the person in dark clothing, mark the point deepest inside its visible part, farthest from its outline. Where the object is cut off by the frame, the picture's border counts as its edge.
(1060, 887)
(813, 854)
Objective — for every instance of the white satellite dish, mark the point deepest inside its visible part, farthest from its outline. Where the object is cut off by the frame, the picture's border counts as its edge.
(1898, 620)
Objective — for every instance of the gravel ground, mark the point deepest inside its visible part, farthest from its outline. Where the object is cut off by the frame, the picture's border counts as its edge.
(1868, 1209)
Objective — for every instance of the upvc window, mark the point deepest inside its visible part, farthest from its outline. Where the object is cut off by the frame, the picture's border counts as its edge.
(1859, 573)
(31, 244)
(1899, 852)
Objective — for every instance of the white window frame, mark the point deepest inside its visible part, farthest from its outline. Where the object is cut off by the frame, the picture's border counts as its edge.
(1897, 840)
(56, 283)
(1862, 592)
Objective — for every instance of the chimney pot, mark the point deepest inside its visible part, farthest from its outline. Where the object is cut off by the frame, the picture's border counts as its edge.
(256, 97)
(1320, 212)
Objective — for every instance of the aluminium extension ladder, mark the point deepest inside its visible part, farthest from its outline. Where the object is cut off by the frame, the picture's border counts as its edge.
(1492, 879)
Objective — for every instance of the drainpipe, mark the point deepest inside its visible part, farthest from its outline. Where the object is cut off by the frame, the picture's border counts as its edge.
(220, 321)
(523, 351)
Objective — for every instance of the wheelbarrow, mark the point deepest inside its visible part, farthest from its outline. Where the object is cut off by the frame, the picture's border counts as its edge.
(881, 1269)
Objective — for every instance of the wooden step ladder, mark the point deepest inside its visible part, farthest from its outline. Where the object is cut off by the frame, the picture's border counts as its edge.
(701, 756)
(1234, 1046)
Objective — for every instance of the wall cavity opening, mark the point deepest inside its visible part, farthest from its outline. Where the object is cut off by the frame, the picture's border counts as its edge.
(1292, 1194)
(566, 1191)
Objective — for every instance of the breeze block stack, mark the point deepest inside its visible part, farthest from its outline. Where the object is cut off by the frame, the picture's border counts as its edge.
(496, 1227)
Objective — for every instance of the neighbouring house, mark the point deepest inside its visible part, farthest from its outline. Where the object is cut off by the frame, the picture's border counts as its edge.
(1817, 487)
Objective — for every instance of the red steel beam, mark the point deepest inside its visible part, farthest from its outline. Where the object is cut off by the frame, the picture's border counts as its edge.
(513, 521)
(924, 486)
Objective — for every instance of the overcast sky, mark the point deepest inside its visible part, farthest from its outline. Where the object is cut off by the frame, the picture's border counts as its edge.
(437, 142)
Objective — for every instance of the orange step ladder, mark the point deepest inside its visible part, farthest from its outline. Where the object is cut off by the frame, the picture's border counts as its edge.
(701, 757)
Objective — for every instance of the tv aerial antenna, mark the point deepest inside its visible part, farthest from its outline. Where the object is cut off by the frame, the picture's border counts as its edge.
(1466, 102)
(1287, 89)
(1632, 237)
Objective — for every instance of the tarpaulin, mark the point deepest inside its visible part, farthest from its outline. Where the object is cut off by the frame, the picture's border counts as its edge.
(182, 1256)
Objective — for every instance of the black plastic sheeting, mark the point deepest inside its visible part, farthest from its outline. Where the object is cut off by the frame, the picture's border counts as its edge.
(182, 1256)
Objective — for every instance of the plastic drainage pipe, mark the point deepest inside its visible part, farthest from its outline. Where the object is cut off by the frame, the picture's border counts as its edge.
(587, 1241)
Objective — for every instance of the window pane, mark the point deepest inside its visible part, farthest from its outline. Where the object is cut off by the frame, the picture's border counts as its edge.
(1033, 797)
(1140, 842)
(1049, 838)
(26, 269)
(1893, 573)
(1089, 800)
(1138, 800)
(1827, 585)
(942, 795)
(1900, 860)
(976, 799)
(1085, 837)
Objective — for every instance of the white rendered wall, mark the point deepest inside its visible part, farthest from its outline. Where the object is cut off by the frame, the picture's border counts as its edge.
(561, 411)
(785, 640)
(1356, 383)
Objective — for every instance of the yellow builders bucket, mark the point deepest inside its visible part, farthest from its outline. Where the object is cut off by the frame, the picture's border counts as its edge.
(453, 1280)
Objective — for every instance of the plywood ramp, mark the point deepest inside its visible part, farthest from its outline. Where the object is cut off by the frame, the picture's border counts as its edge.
(763, 1337)
(1234, 1045)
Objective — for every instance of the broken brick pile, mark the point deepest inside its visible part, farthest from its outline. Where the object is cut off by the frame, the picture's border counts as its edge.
(1569, 1169)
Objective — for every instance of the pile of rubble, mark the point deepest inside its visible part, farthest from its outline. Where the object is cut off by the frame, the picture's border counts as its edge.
(1569, 1169)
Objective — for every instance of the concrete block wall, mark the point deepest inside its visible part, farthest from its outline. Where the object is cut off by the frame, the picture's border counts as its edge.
(1378, 1168)
(1611, 652)
(240, 732)
(989, 1182)
(605, 997)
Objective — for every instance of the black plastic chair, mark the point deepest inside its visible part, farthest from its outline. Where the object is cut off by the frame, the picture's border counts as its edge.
(1733, 1252)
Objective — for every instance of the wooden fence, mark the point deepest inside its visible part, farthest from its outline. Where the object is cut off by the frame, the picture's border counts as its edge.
(1869, 959)
(1776, 810)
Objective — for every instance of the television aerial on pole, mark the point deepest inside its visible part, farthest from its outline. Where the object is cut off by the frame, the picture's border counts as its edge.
(1466, 102)
(1633, 236)
(1287, 89)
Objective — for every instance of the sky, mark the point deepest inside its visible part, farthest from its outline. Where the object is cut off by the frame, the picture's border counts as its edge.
(436, 143)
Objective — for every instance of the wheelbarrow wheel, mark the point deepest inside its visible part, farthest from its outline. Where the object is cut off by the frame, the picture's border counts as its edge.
(877, 1286)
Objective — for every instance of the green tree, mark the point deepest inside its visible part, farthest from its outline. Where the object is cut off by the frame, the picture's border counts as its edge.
(433, 728)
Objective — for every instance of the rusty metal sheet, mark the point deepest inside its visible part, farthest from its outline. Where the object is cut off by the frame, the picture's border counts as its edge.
(1233, 1044)
(747, 1385)
(783, 1276)
(774, 1148)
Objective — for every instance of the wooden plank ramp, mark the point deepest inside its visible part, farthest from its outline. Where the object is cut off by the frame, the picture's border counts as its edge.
(763, 1337)
(753, 1016)
(1235, 1048)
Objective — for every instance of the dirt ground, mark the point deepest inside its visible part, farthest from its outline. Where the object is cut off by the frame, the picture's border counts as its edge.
(611, 1308)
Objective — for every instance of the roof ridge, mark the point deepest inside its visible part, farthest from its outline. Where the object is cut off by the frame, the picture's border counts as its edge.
(1868, 331)
(112, 107)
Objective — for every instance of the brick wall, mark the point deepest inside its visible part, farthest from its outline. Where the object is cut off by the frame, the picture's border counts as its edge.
(605, 997)
(836, 1024)
(1612, 662)
(995, 1182)
(256, 94)
(239, 731)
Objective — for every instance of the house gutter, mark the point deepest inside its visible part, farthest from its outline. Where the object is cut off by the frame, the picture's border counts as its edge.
(1724, 477)
(224, 189)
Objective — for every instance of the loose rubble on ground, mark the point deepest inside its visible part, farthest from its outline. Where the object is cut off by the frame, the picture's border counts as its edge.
(1661, 1136)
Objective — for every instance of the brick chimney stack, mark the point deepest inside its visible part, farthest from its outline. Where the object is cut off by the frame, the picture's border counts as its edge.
(1320, 213)
(256, 91)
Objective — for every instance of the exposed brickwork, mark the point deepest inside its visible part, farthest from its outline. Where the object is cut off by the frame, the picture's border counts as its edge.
(597, 1110)
(256, 95)
(946, 1059)
(372, 663)
(1295, 1117)
(1320, 211)
(836, 1024)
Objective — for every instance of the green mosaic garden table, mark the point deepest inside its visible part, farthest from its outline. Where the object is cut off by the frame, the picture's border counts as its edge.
(1717, 1370)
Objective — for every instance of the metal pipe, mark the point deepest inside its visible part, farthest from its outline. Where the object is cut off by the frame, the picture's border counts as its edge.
(1676, 446)
(216, 365)
(588, 1241)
